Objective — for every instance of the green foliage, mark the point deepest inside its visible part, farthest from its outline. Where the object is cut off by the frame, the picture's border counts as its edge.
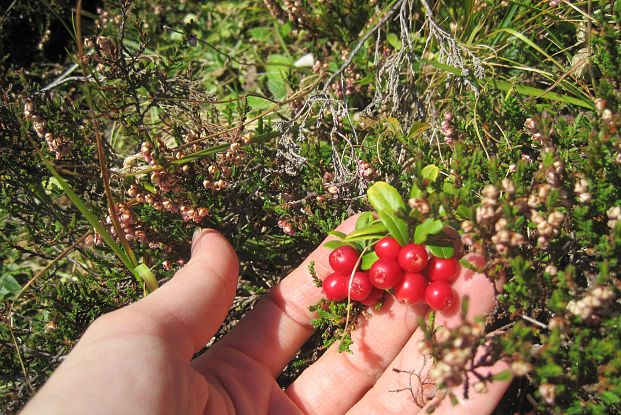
(190, 79)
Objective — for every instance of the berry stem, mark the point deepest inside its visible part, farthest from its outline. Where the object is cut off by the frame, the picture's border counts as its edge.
(349, 283)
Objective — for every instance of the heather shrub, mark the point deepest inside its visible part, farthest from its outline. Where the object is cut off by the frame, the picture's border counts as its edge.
(270, 120)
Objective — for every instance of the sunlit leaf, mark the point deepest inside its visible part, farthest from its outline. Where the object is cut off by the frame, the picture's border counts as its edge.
(383, 196)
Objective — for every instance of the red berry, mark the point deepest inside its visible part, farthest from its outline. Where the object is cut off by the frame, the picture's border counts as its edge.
(335, 286)
(360, 286)
(385, 273)
(375, 297)
(343, 259)
(387, 248)
(411, 289)
(439, 295)
(413, 258)
(442, 269)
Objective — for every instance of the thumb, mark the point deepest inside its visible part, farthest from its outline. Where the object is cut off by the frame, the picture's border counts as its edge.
(192, 305)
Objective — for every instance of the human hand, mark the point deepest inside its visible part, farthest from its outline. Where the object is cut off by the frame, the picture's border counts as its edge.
(138, 359)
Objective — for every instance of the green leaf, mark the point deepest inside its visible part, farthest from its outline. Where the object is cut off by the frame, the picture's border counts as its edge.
(366, 238)
(147, 276)
(394, 41)
(276, 69)
(365, 219)
(504, 375)
(368, 260)
(415, 193)
(428, 227)
(393, 125)
(375, 229)
(383, 196)
(430, 173)
(277, 87)
(334, 244)
(468, 265)
(441, 251)
(338, 234)
(418, 128)
(260, 34)
(449, 188)
(397, 227)
(464, 212)
(259, 103)
(8, 286)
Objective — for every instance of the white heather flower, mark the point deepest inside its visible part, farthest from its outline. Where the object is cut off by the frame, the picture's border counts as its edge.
(490, 191)
(442, 334)
(551, 269)
(306, 61)
(508, 186)
(548, 393)
(614, 213)
(480, 387)
(582, 186)
(600, 104)
(584, 197)
(520, 368)
(607, 115)
(603, 293)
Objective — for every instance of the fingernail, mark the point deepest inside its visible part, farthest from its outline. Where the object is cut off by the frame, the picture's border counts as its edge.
(197, 231)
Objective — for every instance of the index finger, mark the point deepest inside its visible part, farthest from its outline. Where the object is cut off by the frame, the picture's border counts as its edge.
(280, 322)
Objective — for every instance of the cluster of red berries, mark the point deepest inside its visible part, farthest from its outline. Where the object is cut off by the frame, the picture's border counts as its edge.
(413, 275)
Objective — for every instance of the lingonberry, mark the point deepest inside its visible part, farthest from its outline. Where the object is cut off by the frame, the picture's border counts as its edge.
(413, 258)
(343, 259)
(442, 269)
(439, 295)
(411, 288)
(360, 286)
(385, 273)
(375, 297)
(387, 248)
(335, 286)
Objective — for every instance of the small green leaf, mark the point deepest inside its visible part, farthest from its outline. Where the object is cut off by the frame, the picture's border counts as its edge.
(276, 70)
(415, 193)
(441, 251)
(428, 227)
(418, 128)
(377, 228)
(147, 276)
(345, 343)
(368, 260)
(393, 125)
(365, 219)
(397, 227)
(449, 188)
(277, 87)
(334, 244)
(337, 234)
(504, 375)
(383, 196)
(365, 238)
(394, 41)
(468, 265)
(430, 173)
(8, 286)
(464, 212)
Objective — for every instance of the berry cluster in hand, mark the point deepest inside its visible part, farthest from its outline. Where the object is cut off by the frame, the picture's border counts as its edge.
(410, 272)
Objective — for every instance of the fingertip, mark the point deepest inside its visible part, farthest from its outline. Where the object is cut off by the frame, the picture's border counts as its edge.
(196, 300)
